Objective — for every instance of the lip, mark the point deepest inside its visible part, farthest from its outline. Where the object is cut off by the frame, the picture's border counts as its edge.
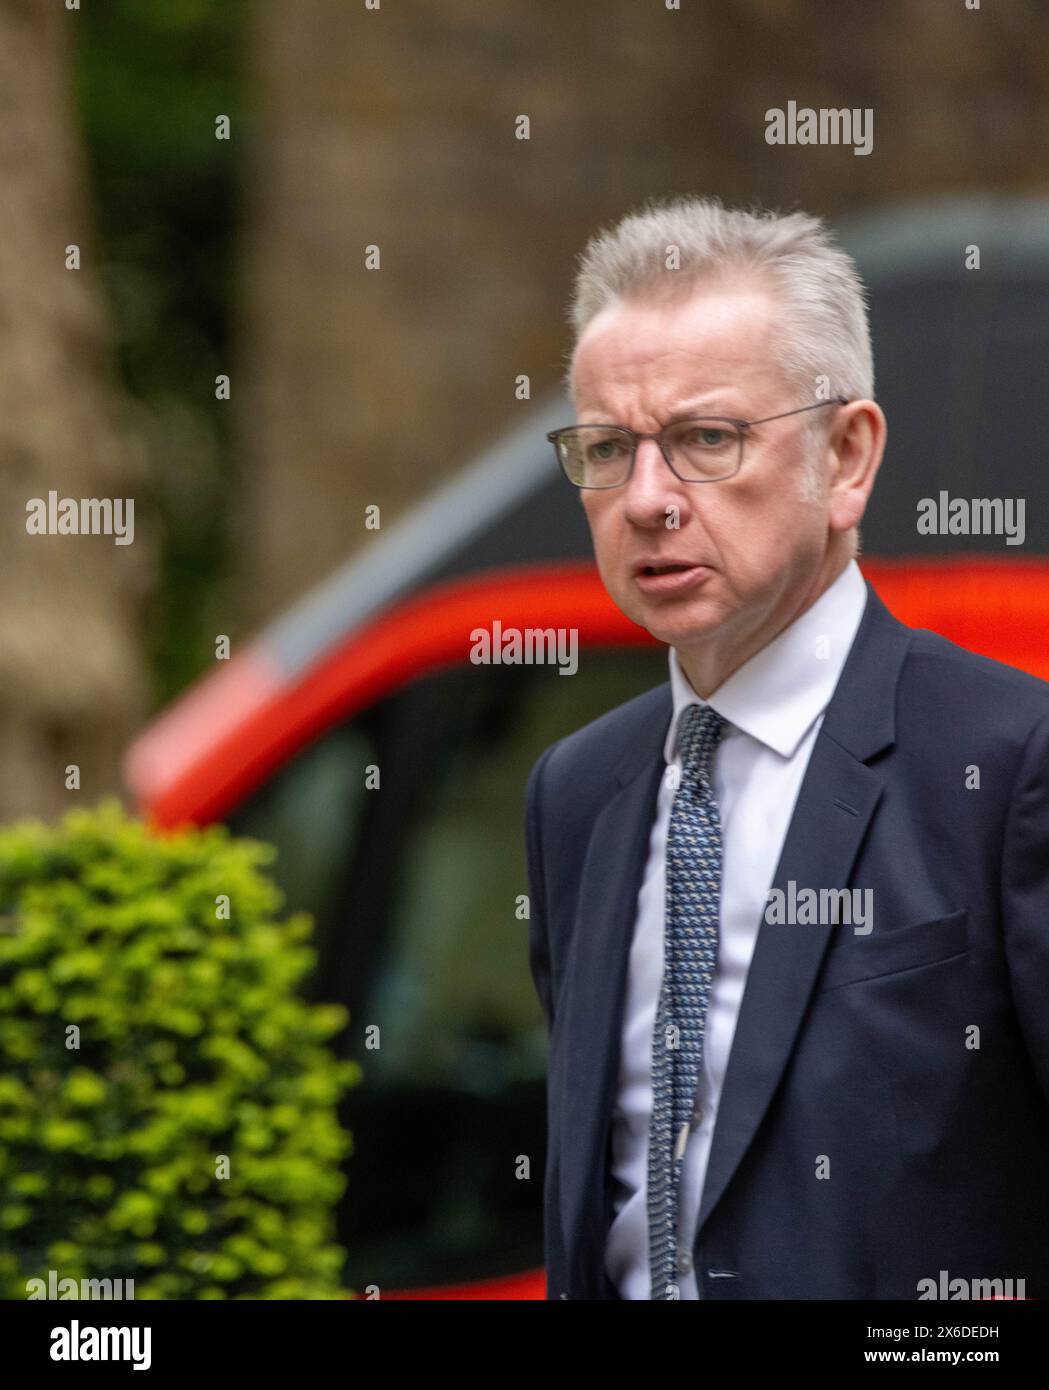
(674, 582)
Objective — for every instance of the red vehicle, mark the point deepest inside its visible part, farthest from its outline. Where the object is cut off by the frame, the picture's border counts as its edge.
(416, 884)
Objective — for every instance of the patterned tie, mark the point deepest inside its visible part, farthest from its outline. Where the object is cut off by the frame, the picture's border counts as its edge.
(693, 893)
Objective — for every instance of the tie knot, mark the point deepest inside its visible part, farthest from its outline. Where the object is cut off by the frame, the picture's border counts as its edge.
(697, 738)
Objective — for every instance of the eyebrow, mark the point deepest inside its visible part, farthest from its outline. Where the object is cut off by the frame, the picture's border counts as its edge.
(693, 412)
(699, 412)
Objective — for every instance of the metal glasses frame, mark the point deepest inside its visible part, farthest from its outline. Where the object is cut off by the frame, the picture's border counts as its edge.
(742, 425)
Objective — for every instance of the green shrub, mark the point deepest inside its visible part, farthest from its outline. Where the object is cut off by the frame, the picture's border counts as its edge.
(144, 1035)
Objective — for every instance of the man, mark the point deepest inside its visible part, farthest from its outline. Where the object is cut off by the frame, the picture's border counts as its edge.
(790, 910)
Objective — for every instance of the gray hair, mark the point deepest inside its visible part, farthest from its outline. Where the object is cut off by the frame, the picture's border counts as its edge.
(826, 333)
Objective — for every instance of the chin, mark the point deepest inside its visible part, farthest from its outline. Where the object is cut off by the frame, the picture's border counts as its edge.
(677, 624)
(679, 634)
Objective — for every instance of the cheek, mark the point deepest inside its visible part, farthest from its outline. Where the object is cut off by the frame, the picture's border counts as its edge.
(774, 510)
(606, 537)
(756, 538)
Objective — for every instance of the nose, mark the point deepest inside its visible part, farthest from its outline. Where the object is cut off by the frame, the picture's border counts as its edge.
(652, 487)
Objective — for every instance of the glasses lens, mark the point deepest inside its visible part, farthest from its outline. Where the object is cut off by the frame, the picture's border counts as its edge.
(705, 449)
(595, 455)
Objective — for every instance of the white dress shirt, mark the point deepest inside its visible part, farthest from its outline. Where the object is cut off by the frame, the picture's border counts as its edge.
(773, 706)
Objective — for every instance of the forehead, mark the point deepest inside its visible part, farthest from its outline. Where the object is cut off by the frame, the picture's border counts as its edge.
(649, 354)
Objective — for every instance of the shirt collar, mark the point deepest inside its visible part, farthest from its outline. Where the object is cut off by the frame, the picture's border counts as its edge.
(776, 695)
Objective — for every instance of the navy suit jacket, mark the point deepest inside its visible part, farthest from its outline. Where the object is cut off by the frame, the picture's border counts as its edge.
(913, 1061)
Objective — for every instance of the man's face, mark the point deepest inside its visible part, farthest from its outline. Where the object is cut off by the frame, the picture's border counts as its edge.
(757, 545)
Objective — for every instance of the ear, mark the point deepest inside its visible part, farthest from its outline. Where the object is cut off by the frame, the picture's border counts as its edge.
(854, 452)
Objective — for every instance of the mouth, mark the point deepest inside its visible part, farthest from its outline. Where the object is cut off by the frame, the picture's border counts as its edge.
(671, 578)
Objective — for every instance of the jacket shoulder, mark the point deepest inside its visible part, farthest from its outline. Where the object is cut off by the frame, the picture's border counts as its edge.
(956, 673)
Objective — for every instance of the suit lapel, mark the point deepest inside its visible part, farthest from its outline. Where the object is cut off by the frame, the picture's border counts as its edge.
(818, 852)
(835, 803)
(595, 986)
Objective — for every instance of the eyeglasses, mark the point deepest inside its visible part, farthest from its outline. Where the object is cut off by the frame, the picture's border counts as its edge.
(705, 450)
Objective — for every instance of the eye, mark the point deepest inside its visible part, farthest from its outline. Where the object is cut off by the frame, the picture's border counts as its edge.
(604, 450)
(709, 436)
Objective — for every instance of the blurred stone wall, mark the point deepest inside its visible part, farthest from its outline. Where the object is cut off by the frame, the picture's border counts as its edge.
(72, 677)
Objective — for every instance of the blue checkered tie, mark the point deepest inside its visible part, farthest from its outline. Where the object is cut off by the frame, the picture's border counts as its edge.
(693, 894)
